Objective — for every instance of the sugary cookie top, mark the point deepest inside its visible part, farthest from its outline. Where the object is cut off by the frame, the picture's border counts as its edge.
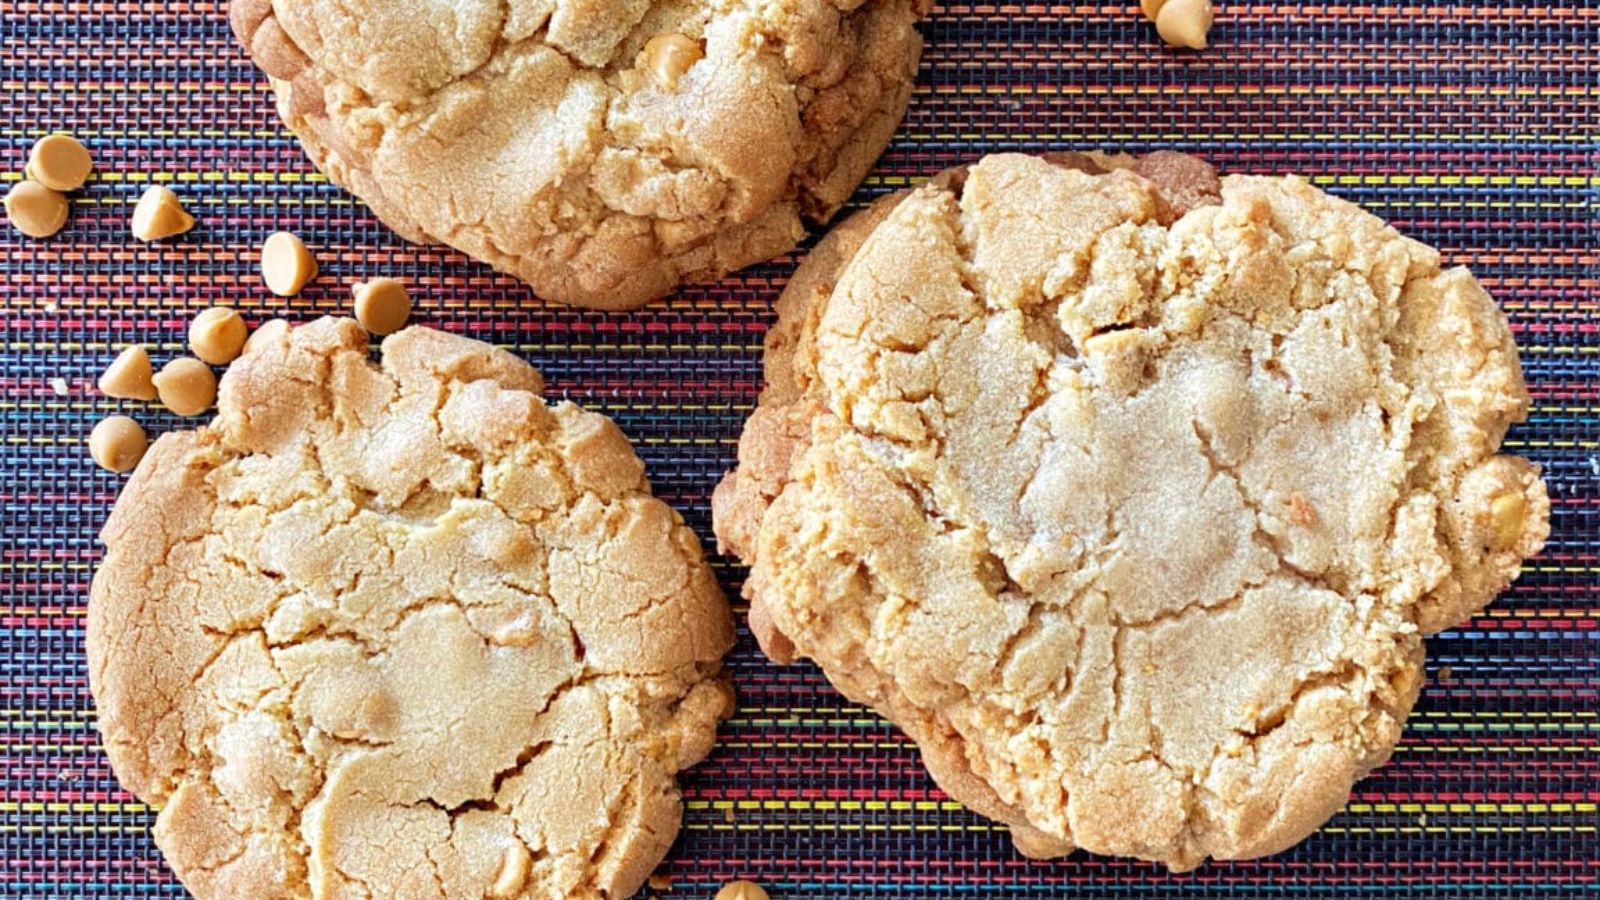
(402, 630)
(602, 151)
(1129, 492)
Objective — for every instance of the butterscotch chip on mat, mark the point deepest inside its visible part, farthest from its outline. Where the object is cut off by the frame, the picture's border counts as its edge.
(217, 335)
(129, 377)
(286, 265)
(402, 630)
(159, 214)
(1129, 492)
(59, 162)
(603, 152)
(1184, 23)
(35, 210)
(382, 305)
(186, 386)
(117, 443)
(742, 890)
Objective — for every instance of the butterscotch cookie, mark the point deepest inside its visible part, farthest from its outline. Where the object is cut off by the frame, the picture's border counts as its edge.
(602, 152)
(402, 631)
(1129, 492)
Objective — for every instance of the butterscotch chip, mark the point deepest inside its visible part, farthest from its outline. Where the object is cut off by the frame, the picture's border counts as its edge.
(217, 335)
(382, 305)
(287, 635)
(59, 162)
(186, 386)
(159, 214)
(742, 890)
(117, 443)
(1184, 23)
(35, 210)
(1130, 495)
(286, 264)
(129, 376)
(668, 56)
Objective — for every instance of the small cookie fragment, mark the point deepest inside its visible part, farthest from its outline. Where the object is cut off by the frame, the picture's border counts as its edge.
(742, 890)
(217, 335)
(159, 214)
(35, 210)
(129, 376)
(186, 386)
(59, 162)
(382, 305)
(286, 264)
(117, 443)
(1184, 23)
(668, 56)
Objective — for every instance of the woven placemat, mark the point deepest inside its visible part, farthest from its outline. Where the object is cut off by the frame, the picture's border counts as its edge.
(1475, 128)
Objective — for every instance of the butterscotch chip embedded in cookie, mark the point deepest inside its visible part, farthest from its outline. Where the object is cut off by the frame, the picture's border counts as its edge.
(602, 152)
(129, 377)
(402, 630)
(1129, 492)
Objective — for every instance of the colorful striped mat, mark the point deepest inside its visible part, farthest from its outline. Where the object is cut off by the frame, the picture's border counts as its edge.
(1474, 127)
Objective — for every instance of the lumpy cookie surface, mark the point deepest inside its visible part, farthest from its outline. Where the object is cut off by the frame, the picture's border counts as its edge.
(535, 134)
(1129, 492)
(402, 631)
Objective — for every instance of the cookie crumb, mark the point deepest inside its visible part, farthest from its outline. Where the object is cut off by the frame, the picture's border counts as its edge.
(1184, 23)
(129, 376)
(186, 386)
(659, 882)
(159, 214)
(1444, 673)
(286, 264)
(742, 890)
(382, 305)
(117, 443)
(217, 335)
(35, 210)
(59, 162)
(59, 386)
(1301, 512)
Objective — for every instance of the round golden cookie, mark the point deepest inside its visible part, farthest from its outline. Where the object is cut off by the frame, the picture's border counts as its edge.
(602, 152)
(1128, 492)
(402, 631)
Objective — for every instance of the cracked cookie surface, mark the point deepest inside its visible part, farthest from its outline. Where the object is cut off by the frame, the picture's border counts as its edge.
(542, 137)
(403, 631)
(1129, 492)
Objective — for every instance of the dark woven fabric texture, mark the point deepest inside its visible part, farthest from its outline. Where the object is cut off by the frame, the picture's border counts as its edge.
(1474, 127)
